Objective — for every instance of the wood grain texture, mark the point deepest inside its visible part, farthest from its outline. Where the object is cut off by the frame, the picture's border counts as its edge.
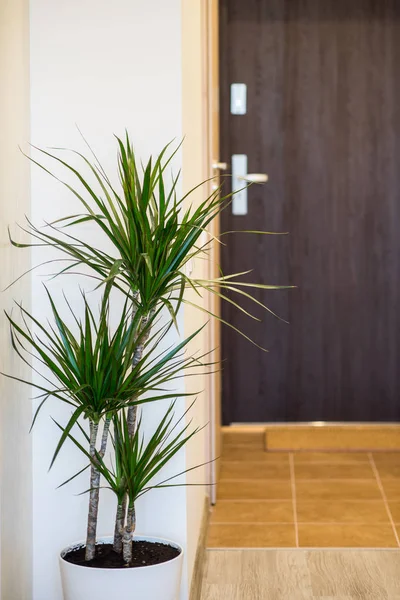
(198, 568)
(345, 437)
(302, 574)
(211, 9)
(323, 121)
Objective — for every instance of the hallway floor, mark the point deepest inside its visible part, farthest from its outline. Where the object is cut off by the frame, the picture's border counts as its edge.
(305, 499)
(301, 575)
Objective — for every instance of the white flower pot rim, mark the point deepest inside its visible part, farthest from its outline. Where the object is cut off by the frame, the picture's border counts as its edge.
(106, 539)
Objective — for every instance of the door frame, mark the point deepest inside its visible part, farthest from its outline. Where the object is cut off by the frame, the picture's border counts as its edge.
(200, 114)
(212, 132)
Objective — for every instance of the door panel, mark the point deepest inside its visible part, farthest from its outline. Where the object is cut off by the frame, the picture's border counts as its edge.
(323, 120)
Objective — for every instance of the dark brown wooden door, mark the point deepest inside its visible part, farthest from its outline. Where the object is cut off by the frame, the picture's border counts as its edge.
(323, 120)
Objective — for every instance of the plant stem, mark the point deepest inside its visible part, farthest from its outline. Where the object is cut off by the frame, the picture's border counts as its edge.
(122, 537)
(137, 357)
(93, 496)
(119, 525)
(104, 437)
(128, 533)
(90, 551)
(142, 337)
(132, 417)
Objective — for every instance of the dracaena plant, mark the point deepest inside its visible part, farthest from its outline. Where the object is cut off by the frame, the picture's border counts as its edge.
(152, 233)
(135, 466)
(94, 373)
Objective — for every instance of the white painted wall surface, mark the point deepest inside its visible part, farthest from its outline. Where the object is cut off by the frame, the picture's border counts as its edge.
(106, 66)
(15, 406)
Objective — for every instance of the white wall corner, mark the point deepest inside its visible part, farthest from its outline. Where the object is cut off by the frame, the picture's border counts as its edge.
(106, 67)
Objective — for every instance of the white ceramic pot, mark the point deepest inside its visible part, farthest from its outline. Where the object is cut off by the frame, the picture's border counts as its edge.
(153, 582)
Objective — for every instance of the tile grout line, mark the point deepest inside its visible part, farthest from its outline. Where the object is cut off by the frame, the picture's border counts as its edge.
(294, 501)
(383, 494)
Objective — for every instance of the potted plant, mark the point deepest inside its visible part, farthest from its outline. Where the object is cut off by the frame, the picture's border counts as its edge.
(104, 372)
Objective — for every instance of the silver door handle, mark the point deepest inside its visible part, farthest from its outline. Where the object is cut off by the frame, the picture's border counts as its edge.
(240, 177)
(254, 177)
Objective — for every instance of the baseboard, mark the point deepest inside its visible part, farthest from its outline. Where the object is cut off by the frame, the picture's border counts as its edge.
(319, 436)
(330, 437)
(198, 569)
(243, 435)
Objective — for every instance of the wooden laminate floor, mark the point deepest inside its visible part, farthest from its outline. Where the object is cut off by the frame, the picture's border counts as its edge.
(299, 574)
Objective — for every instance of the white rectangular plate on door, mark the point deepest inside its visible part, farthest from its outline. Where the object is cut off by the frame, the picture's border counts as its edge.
(239, 170)
(238, 98)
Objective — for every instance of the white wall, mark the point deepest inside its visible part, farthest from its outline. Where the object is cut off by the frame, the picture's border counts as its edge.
(15, 405)
(106, 66)
(195, 170)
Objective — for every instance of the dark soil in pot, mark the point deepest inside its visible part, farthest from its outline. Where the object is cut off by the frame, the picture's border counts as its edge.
(144, 554)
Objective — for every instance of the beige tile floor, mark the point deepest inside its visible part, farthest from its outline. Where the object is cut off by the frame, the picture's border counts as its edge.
(305, 499)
